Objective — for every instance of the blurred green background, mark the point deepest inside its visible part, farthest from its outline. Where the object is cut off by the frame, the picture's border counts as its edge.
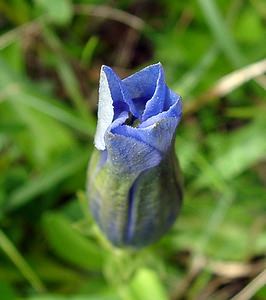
(50, 55)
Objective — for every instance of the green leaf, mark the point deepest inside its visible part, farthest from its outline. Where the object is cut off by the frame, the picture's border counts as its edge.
(6, 291)
(39, 145)
(47, 180)
(13, 54)
(19, 90)
(21, 264)
(85, 297)
(237, 152)
(221, 31)
(146, 285)
(70, 245)
(66, 73)
(59, 11)
(88, 50)
(249, 28)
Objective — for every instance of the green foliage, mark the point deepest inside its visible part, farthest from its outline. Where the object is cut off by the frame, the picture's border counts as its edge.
(147, 285)
(50, 56)
(59, 12)
(80, 251)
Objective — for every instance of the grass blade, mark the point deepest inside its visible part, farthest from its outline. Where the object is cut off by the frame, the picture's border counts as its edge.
(10, 250)
(46, 181)
(221, 32)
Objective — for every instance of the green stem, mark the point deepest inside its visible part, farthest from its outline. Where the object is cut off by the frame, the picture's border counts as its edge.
(20, 262)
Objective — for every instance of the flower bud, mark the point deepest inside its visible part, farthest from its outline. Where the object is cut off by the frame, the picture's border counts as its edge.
(134, 184)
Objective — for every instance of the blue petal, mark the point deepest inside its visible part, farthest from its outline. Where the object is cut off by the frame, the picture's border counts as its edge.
(120, 95)
(156, 104)
(114, 104)
(171, 98)
(175, 111)
(113, 99)
(119, 120)
(158, 135)
(130, 156)
(142, 84)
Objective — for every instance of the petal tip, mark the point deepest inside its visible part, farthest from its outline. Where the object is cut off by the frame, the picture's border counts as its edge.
(158, 66)
(108, 71)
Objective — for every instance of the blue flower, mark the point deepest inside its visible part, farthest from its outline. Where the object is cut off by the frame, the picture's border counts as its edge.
(133, 178)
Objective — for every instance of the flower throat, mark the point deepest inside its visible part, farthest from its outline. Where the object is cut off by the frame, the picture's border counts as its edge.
(132, 120)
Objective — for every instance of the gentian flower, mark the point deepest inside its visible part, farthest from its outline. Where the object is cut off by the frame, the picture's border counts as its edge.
(133, 177)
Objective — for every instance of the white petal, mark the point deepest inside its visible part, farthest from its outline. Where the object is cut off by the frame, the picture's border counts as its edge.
(105, 111)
